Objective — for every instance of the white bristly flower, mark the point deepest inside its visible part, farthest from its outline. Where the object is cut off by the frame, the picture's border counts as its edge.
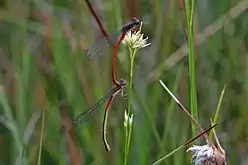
(202, 155)
(131, 120)
(125, 119)
(128, 120)
(135, 40)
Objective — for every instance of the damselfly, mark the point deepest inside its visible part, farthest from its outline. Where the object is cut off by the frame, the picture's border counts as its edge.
(113, 40)
(110, 97)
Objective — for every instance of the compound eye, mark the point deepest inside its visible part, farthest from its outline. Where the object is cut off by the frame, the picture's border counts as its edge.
(121, 82)
(136, 21)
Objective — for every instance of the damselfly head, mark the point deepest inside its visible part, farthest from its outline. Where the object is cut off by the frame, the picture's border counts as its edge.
(136, 24)
(123, 83)
(133, 25)
(135, 40)
(135, 21)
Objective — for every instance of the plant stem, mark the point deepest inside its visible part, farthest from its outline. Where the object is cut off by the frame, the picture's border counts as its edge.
(129, 127)
(130, 82)
(41, 137)
(129, 136)
(190, 24)
(168, 155)
(126, 143)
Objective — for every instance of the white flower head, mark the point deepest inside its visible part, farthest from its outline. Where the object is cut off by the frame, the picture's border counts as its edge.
(202, 155)
(128, 120)
(135, 40)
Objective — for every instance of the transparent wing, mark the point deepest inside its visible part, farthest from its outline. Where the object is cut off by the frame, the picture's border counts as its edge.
(98, 105)
(101, 45)
(79, 119)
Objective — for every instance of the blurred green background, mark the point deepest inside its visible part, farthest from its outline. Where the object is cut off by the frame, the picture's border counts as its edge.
(42, 62)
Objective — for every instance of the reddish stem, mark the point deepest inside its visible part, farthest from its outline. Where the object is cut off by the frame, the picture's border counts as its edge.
(182, 7)
(199, 135)
(114, 59)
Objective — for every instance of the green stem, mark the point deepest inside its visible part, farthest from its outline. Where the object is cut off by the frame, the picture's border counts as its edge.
(130, 84)
(41, 137)
(126, 143)
(168, 155)
(128, 136)
(190, 24)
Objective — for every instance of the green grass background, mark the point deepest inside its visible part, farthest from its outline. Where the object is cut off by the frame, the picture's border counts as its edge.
(42, 62)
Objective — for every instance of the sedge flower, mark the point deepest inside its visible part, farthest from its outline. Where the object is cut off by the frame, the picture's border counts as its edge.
(125, 119)
(208, 154)
(128, 120)
(202, 155)
(135, 40)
